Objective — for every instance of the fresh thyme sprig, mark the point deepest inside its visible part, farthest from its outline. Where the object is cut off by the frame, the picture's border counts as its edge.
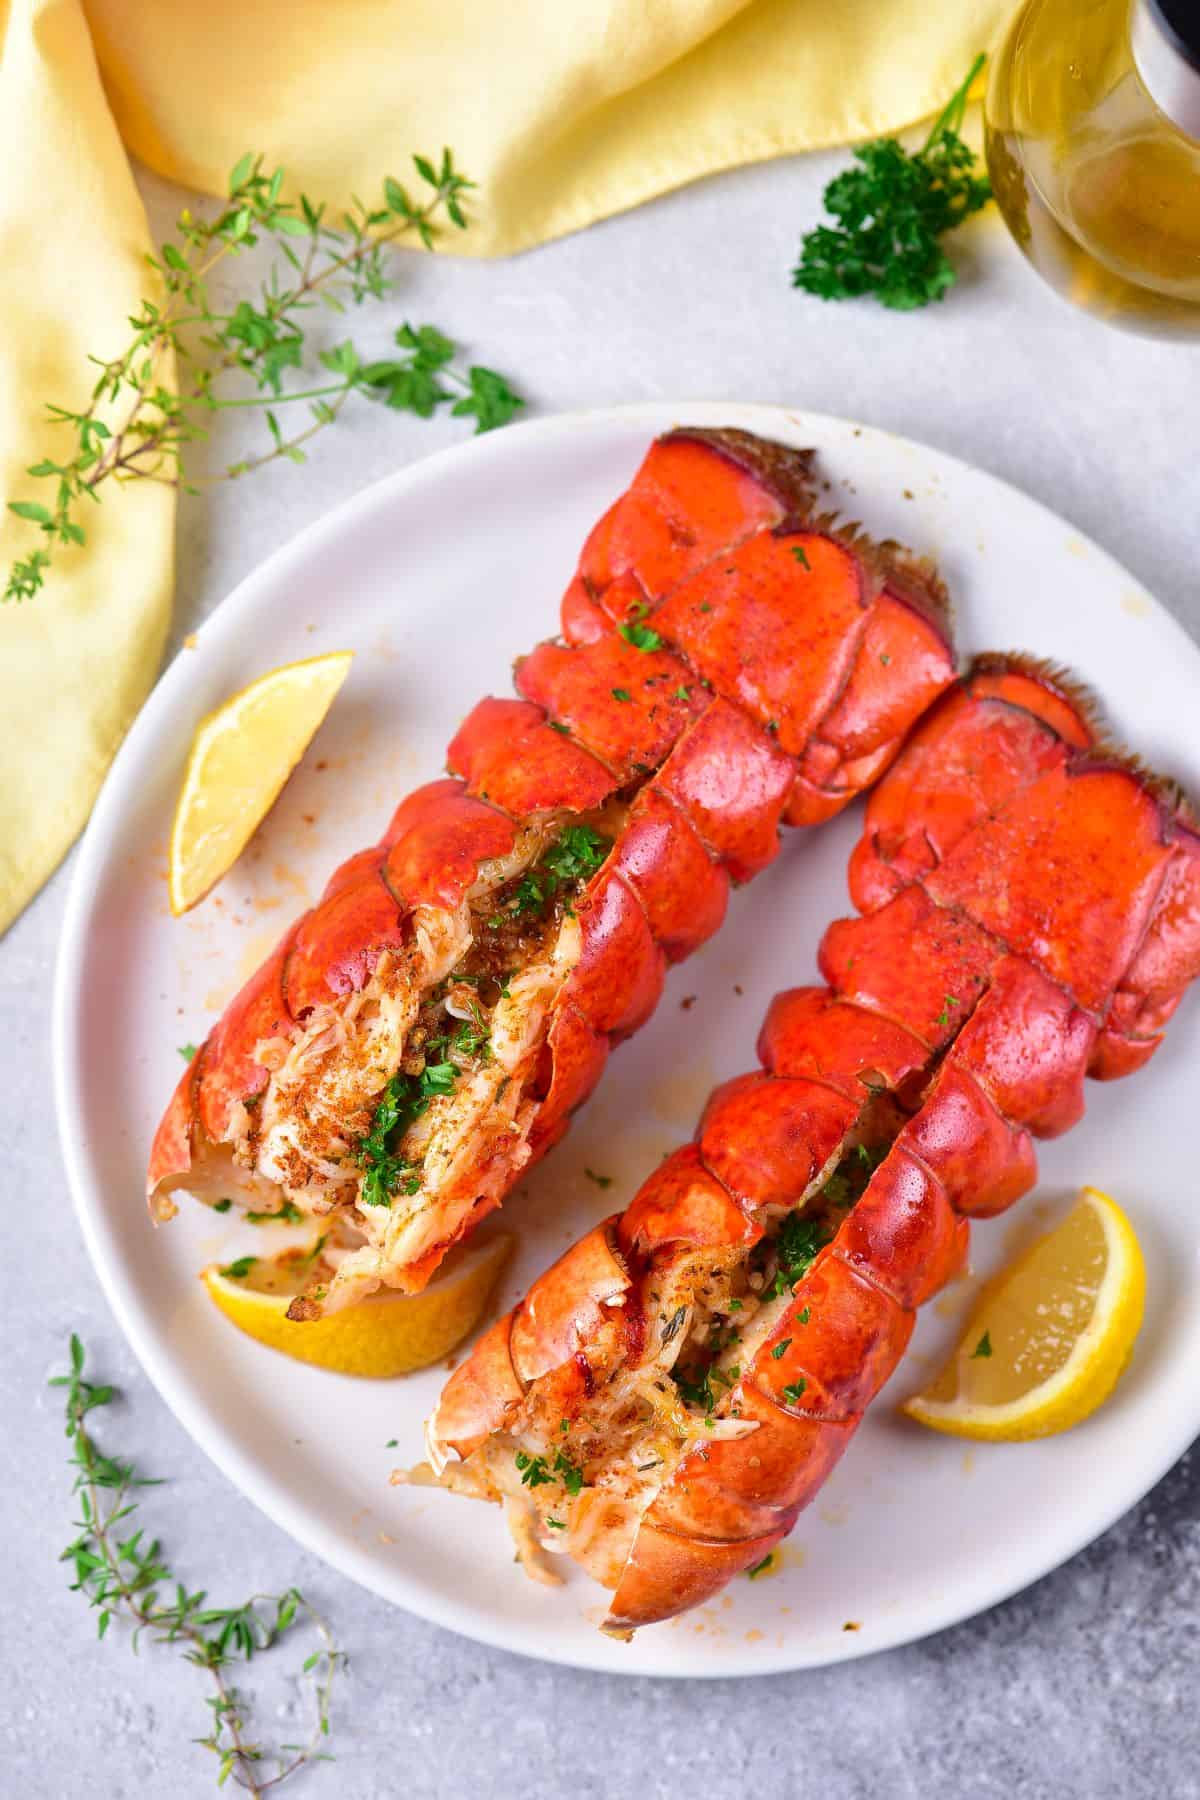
(137, 424)
(891, 212)
(126, 1578)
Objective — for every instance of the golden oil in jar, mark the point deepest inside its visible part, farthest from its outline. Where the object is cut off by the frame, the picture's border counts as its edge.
(1092, 128)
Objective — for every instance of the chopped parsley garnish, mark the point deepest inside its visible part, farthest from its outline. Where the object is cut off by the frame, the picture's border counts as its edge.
(640, 636)
(571, 1473)
(796, 1247)
(534, 1472)
(438, 1078)
(576, 854)
(801, 556)
(187, 1051)
(405, 1098)
(562, 730)
(983, 1347)
(573, 858)
(760, 1567)
(781, 1348)
(802, 1235)
(682, 693)
(804, 1317)
(948, 1001)
(557, 1524)
(697, 1393)
(238, 1271)
(472, 1039)
(621, 694)
(601, 1181)
(222, 1205)
(794, 1390)
(287, 1215)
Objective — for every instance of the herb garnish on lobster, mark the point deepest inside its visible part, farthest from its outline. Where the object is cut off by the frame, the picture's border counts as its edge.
(1030, 914)
(730, 661)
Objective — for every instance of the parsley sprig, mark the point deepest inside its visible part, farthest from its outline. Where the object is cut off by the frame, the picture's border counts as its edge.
(136, 426)
(891, 212)
(126, 1577)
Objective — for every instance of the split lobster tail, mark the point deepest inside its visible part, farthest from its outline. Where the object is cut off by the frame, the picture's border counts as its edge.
(730, 662)
(676, 1389)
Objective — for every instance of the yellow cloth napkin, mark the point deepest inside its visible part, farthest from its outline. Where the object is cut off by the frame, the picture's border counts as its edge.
(563, 111)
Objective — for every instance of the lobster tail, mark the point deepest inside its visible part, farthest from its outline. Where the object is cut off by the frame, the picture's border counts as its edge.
(1029, 913)
(729, 663)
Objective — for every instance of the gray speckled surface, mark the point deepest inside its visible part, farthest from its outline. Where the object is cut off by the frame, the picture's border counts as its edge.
(1084, 1685)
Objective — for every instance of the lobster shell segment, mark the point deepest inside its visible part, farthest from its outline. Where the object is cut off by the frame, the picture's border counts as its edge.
(952, 1032)
(731, 662)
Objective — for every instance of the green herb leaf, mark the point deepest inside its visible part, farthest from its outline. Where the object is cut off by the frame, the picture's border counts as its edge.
(983, 1347)
(569, 1473)
(238, 1270)
(891, 212)
(125, 1576)
(29, 509)
(491, 401)
(534, 1472)
(640, 636)
(287, 1214)
(240, 353)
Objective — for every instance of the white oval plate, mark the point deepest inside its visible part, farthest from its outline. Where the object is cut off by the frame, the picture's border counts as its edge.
(437, 577)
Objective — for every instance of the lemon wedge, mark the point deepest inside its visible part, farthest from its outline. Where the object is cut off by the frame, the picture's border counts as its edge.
(387, 1334)
(240, 758)
(1051, 1336)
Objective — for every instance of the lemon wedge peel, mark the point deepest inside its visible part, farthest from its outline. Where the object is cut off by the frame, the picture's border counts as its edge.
(1094, 1365)
(240, 758)
(385, 1335)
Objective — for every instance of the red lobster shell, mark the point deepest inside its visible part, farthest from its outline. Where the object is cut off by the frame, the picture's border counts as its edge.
(1030, 914)
(729, 662)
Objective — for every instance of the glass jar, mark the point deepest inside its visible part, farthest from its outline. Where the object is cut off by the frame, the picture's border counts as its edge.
(1092, 130)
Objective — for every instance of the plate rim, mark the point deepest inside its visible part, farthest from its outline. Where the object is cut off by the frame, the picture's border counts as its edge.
(270, 1497)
